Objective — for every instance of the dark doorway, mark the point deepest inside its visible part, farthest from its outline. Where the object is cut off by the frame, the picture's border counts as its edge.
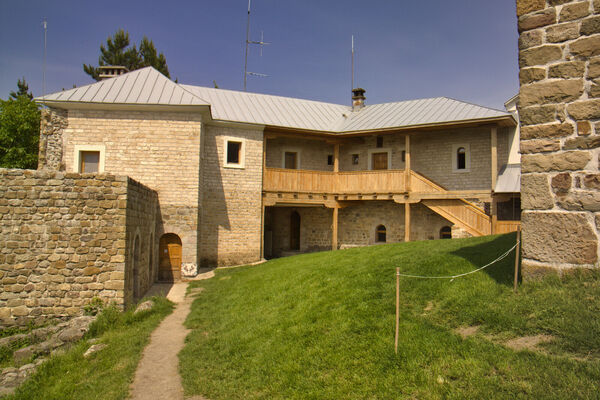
(291, 160)
(295, 231)
(169, 268)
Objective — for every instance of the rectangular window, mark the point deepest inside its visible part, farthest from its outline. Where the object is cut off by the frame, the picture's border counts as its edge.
(233, 152)
(354, 159)
(89, 161)
(379, 141)
(330, 159)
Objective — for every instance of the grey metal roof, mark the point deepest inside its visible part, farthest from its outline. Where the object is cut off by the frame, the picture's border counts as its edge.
(149, 87)
(509, 179)
(142, 86)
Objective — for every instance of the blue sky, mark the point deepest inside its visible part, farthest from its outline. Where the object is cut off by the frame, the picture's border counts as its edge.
(464, 49)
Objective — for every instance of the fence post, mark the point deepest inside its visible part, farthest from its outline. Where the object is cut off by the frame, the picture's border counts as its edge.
(397, 309)
(517, 254)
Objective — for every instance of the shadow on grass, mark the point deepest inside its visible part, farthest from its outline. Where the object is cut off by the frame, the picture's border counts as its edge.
(479, 255)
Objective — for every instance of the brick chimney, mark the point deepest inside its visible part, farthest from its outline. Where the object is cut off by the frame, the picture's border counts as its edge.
(358, 99)
(110, 71)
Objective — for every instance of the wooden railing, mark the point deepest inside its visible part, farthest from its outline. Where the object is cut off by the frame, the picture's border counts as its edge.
(307, 181)
(506, 226)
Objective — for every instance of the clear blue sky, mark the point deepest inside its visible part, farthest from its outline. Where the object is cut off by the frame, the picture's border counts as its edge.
(464, 49)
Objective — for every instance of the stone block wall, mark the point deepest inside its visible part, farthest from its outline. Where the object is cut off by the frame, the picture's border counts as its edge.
(559, 109)
(64, 240)
(313, 153)
(232, 199)
(52, 125)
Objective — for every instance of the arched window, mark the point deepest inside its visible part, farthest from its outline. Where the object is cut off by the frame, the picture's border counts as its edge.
(380, 234)
(446, 233)
(461, 158)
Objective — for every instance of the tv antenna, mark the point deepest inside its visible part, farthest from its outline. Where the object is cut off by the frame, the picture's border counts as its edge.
(45, 26)
(260, 42)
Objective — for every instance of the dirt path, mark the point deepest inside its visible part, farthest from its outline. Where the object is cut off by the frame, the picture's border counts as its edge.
(157, 375)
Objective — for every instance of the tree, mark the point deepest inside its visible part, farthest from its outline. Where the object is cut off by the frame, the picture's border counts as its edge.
(118, 52)
(19, 129)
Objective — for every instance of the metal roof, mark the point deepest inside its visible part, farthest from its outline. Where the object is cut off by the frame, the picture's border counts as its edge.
(142, 86)
(509, 179)
(147, 86)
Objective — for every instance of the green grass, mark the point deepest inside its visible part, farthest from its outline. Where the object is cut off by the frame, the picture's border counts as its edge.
(106, 374)
(321, 326)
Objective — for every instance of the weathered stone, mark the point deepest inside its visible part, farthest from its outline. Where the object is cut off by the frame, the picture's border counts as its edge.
(582, 143)
(574, 11)
(537, 115)
(535, 192)
(145, 306)
(558, 237)
(592, 181)
(567, 161)
(580, 201)
(584, 110)
(585, 47)
(563, 32)
(527, 6)
(532, 21)
(546, 131)
(584, 128)
(94, 349)
(530, 39)
(594, 68)
(539, 146)
(589, 26)
(561, 183)
(551, 92)
(529, 75)
(534, 272)
(594, 90)
(574, 69)
(541, 55)
(558, 2)
(23, 354)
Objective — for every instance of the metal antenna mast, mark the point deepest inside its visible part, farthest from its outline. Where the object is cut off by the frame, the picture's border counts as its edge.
(261, 43)
(45, 25)
(352, 88)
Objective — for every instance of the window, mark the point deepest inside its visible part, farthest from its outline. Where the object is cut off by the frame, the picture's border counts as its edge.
(380, 158)
(461, 158)
(446, 232)
(330, 159)
(380, 234)
(234, 153)
(379, 141)
(88, 158)
(354, 159)
(89, 161)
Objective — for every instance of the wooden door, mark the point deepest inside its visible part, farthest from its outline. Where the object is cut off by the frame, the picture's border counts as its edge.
(295, 231)
(291, 160)
(170, 258)
(380, 160)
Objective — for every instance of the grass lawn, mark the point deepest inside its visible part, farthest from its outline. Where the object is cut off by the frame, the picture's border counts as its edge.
(321, 326)
(106, 374)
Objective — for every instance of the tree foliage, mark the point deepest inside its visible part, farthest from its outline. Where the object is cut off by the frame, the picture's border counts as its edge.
(119, 51)
(19, 129)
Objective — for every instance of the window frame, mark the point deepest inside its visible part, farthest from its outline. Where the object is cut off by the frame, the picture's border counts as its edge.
(291, 150)
(242, 158)
(81, 148)
(455, 148)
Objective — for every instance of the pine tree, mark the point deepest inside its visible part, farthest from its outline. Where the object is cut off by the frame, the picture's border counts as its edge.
(23, 90)
(118, 52)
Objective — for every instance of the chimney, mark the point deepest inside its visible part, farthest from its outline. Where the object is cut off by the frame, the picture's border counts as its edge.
(358, 99)
(111, 71)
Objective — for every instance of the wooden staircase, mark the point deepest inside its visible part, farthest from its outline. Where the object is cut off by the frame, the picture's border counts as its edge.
(458, 211)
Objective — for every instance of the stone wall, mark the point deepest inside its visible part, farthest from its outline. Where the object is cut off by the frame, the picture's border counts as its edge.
(52, 125)
(232, 199)
(312, 153)
(64, 239)
(559, 109)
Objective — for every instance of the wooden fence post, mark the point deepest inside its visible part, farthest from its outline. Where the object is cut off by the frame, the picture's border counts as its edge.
(397, 309)
(517, 254)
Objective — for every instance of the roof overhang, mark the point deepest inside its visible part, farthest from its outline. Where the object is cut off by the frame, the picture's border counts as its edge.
(79, 105)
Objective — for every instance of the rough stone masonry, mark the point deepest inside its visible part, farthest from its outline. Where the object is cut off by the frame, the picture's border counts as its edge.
(559, 109)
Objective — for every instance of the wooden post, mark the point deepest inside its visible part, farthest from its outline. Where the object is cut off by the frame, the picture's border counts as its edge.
(407, 162)
(407, 222)
(397, 309)
(494, 157)
(334, 236)
(494, 219)
(336, 157)
(517, 254)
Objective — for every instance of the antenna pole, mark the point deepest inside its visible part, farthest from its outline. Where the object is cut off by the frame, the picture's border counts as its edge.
(352, 82)
(45, 25)
(247, 43)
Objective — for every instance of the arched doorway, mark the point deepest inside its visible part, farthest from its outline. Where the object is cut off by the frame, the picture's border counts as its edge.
(380, 234)
(169, 268)
(136, 268)
(446, 233)
(295, 231)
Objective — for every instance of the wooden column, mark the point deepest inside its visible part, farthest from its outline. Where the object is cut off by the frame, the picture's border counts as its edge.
(407, 222)
(494, 211)
(336, 157)
(262, 199)
(407, 162)
(494, 161)
(334, 235)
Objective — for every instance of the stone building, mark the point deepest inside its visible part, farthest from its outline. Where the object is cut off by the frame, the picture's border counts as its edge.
(240, 176)
(559, 59)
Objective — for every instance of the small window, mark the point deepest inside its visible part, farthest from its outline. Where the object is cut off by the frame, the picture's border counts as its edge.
(89, 161)
(446, 233)
(461, 158)
(291, 160)
(379, 141)
(234, 153)
(403, 155)
(330, 159)
(354, 159)
(380, 234)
